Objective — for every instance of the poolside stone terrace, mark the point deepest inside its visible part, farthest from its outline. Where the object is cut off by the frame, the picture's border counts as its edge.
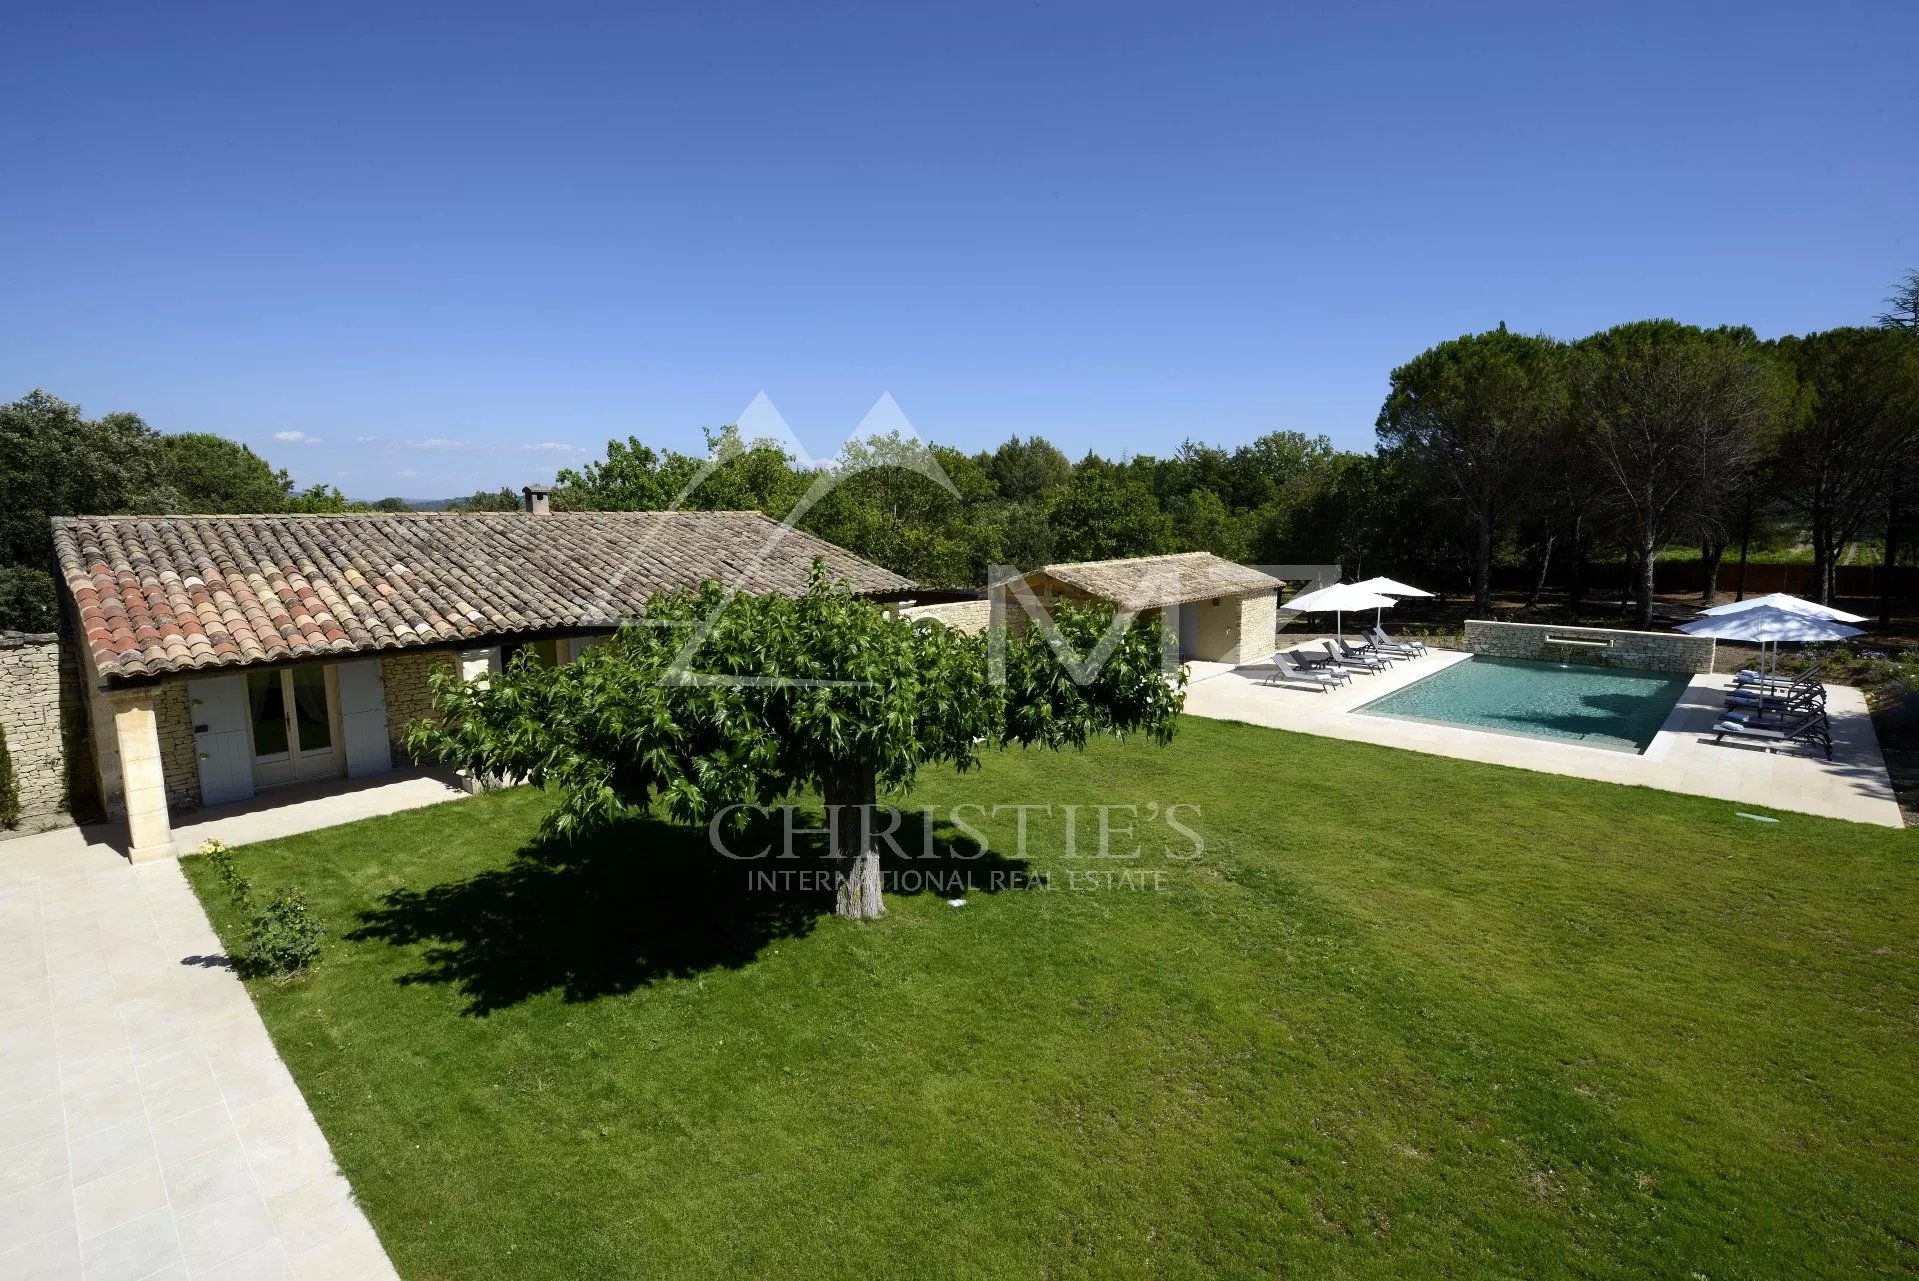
(1682, 758)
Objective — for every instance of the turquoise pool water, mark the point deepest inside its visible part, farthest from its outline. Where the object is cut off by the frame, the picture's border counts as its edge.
(1609, 707)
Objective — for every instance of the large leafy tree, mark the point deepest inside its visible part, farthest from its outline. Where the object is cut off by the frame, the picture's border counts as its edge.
(1672, 417)
(60, 463)
(1472, 415)
(208, 473)
(1028, 469)
(713, 703)
(1103, 514)
(1902, 307)
(1854, 438)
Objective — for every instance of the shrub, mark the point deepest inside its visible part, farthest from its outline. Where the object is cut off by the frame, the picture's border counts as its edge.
(281, 937)
(9, 786)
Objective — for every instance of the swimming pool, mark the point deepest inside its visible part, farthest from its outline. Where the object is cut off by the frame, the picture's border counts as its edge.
(1620, 709)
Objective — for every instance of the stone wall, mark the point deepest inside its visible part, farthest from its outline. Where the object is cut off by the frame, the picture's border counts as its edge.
(1258, 628)
(179, 761)
(408, 696)
(1597, 646)
(1234, 629)
(968, 616)
(30, 703)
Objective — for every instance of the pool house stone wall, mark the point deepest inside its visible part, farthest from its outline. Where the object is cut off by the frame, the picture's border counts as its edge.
(1596, 646)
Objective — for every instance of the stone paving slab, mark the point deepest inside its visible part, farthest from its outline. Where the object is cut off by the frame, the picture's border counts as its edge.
(148, 1130)
(1853, 786)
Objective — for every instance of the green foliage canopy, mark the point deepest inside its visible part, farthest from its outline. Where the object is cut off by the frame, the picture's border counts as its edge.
(710, 703)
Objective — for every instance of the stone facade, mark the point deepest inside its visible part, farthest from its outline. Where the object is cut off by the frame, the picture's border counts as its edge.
(31, 702)
(1235, 629)
(968, 616)
(408, 696)
(173, 726)
(179, 760)
(1226, 629)
(1597, 646)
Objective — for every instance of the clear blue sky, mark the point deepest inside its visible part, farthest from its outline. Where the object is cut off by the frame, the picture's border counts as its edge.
(433, 241)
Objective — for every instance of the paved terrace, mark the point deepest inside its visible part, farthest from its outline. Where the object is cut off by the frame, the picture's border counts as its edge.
(1682, 758)
(148, 1130)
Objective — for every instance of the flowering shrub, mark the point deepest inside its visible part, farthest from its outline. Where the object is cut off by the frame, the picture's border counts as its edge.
(281, 937)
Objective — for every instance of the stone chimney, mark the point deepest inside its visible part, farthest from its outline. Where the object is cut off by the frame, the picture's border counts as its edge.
(537, 497)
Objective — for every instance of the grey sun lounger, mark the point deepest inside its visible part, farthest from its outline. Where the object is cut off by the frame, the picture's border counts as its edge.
(1357, 657)
(1319, 663)
(1410, 647)
(1285, 669)
(1387, 645)
(1746, 678)
(1807, 729)
(1811, 699)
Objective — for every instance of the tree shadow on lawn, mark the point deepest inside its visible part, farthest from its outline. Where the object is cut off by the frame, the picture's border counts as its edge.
(644, 901)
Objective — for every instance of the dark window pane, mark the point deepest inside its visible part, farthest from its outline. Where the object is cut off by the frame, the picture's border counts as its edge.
(309, 709)
(269, 713)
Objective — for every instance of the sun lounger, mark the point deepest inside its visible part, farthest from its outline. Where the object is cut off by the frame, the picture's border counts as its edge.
(1807, 729)
(1385, 644)
(1746, 677)
(1811, 698)
(1285, 669)
(1307, 662)
(1363, 661)
(1378, 636)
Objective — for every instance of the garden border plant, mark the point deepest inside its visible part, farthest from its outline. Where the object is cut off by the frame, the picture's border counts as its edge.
(281, 937)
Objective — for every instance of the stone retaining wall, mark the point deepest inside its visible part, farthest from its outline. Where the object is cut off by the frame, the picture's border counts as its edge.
(1597, 646)
(30, 713)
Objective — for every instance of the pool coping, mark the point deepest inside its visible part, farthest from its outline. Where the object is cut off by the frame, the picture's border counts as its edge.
(1682, 679)
(1682, 758)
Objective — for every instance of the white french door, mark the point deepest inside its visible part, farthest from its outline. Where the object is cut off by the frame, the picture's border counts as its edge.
(291, 722)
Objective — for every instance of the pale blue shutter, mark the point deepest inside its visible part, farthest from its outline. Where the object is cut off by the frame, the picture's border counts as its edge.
(363, 718)
(218, 705)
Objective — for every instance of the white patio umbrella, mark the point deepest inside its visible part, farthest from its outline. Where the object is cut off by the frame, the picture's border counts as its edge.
(1336, 600)
(1389, 587)
(1780, 600)
(1770, 625)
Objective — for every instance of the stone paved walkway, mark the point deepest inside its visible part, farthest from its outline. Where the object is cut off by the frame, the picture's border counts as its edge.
(147, 1127)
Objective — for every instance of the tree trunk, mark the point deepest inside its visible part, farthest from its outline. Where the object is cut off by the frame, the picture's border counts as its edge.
(1483, 569)
(1642, 603)
(1576, 589)
(850, 799)
(1711, 554)
(1891, 562)
(1821, 559)
(1745, 549)
(1539, 580)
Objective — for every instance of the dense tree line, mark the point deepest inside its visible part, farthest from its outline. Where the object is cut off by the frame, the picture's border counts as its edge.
(943, 516)
(1494, 450)
(58, 462)
(1654, 435)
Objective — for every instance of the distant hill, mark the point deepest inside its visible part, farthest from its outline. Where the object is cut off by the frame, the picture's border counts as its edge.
(418, 504)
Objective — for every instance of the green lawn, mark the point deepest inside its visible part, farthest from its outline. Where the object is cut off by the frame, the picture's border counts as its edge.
(1404, 1017)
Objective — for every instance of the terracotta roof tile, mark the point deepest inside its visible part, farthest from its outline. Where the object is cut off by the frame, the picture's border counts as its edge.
(160, 594)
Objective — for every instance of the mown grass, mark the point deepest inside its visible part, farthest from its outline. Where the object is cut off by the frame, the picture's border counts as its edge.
(1404, 1017)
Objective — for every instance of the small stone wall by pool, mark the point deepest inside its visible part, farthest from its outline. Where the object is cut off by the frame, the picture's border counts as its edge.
(1598, 646)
